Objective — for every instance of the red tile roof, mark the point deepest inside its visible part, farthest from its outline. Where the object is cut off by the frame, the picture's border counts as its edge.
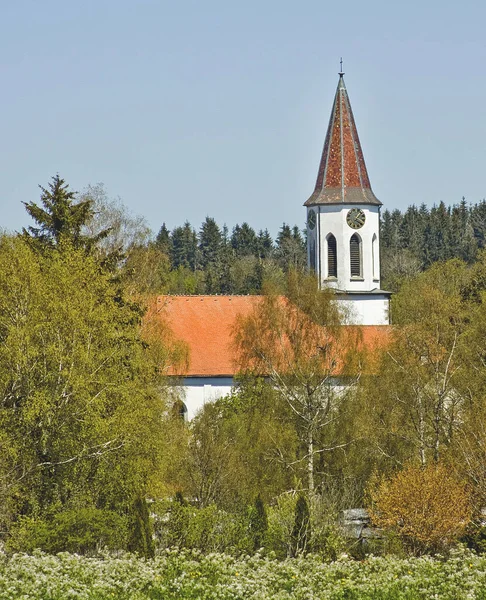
(342, 176)
(206, 324)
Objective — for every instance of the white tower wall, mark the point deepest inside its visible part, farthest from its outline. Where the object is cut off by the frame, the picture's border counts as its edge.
(331, 219)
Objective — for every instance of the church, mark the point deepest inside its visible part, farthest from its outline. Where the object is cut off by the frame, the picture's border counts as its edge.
(343, 249)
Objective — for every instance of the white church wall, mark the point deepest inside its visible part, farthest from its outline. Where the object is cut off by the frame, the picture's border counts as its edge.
(365, 310)
(197, 391)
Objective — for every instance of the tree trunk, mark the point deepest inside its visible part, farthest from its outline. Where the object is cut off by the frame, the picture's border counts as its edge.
(310, 459)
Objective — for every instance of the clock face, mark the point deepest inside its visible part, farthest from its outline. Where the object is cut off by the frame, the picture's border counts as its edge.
(311, 219)
(355, 218)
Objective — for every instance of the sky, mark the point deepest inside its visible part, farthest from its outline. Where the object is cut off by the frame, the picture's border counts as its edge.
(188, 109)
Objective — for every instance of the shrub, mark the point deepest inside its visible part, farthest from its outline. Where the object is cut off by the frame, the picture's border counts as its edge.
(207, 529)
(83, 531)
(426, 507)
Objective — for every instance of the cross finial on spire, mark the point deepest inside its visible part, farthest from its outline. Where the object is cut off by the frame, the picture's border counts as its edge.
(341, 73)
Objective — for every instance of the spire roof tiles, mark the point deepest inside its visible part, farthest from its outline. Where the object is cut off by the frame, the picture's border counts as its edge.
(342, 176)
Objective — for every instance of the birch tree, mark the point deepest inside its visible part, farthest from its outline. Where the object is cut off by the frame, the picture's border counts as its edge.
(297, 342)
(415, 404)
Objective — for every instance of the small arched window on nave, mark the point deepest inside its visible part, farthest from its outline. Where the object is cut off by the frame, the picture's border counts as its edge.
(355, 256)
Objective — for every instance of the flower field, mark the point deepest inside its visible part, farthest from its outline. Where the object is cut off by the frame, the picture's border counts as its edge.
(179, 575)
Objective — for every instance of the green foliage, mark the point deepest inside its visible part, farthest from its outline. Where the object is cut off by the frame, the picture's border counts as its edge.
(80, 530)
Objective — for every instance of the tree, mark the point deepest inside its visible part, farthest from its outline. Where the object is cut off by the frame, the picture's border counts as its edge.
(61, 220)
(427, 507)
(184, 247)
(81, 400)
(210, 250)
(297, 343)
(416, 403)
(120, 231)
(244, 240)
(290, 248)
(163, 241)
(265, 244)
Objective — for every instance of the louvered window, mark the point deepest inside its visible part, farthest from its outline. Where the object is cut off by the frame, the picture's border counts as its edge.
(312, 255)
(331, 256)
(355, 253)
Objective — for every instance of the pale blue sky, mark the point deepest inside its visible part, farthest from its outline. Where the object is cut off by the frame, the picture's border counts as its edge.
(186, 109)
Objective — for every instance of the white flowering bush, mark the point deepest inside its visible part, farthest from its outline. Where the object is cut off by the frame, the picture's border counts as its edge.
(180, 575)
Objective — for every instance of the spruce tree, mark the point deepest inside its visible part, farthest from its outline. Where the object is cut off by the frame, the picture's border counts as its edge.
(60, 219)
(184, 247)
(244, 240)
(210, 243)
(265, 244)
(163, 241)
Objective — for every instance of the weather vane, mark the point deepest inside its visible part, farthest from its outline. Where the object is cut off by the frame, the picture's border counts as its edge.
(341, 63)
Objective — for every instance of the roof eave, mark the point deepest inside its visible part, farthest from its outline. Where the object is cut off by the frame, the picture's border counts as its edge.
(350, 196)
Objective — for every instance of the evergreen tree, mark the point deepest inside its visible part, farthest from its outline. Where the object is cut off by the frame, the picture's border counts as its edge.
(411, 231)
(227, 256)
(478, 223)
(437, 239)
(163, 241)
(264, 244)
(60, 220)
(258, 523)
(301, 531)
(210, 249)
(463, 242)
(290, 248)
(210, 243)
(244, 240)
(184, 247)
(141, 540)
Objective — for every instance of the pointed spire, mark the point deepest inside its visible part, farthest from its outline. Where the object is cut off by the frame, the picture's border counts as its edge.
(342, 176)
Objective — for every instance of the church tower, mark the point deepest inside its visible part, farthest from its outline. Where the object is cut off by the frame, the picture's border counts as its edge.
(343, 219)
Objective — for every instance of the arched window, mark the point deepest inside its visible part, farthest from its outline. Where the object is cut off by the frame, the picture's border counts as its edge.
(374, 252)
(331, 256)
(180, 410)
(355, 255)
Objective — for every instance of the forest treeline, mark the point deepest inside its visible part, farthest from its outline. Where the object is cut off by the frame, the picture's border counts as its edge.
(213, 260)
(414, 239)
(95, 453)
